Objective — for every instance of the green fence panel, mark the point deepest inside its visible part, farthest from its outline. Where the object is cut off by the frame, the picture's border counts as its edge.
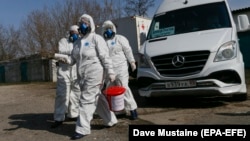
(24, 76)
(244, 40)
(2, 74)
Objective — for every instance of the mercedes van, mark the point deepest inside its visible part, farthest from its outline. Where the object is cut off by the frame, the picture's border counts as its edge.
(192, 48)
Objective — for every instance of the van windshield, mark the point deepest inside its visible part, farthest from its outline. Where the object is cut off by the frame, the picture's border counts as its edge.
(198, 18)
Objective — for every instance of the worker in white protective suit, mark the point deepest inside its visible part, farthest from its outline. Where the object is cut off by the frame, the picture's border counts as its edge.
(68, 89)
(122, 56)
(91, 55)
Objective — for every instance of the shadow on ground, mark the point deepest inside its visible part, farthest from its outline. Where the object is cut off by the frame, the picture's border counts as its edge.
(40, 121)
(43, 121)
(235, 114)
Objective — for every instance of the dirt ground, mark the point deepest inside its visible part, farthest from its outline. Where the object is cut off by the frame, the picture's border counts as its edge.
(27, 113)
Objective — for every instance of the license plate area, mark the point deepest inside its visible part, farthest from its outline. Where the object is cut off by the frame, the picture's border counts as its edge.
(180, 84)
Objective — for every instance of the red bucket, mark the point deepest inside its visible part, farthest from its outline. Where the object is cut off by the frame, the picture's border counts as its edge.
(115, 97)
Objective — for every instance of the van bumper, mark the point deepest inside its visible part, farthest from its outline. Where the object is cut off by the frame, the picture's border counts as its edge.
(217, 83)
(200, 91)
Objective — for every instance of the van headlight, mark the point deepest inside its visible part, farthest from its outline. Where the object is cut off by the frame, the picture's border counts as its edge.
(227, 51)
(143, 63)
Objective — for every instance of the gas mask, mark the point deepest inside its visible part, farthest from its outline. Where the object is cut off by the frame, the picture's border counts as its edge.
(108, 34)
(73, 37)
(84, 29)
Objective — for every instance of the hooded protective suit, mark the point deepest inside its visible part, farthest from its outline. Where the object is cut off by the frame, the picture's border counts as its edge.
(121, 55)
(91, 56)
(68, 89)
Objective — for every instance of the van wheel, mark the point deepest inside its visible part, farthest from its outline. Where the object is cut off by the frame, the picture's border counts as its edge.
(240, 97)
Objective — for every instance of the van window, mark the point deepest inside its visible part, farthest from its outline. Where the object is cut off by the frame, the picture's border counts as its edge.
(197, 18)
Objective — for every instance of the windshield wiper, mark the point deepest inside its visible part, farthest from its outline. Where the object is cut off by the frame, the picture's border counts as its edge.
(158, 39)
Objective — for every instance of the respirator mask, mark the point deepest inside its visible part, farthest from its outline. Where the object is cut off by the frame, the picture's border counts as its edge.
(84, 29)
(108, 34)
(73, 37)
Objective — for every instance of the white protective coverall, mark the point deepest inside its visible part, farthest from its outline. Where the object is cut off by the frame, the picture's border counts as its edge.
(121, 55)
(68, 89)
(91, 56)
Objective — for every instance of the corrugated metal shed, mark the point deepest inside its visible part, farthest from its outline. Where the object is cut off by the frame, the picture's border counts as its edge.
(28, 69)
(241, 10)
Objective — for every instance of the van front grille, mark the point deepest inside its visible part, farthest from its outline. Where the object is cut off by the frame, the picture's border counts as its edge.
(180, 64)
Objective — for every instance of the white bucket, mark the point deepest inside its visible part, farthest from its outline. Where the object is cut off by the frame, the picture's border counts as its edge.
(115, 97)
(116, 102)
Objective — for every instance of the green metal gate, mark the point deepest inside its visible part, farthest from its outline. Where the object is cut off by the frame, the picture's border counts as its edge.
(2, 74)
(24, 76)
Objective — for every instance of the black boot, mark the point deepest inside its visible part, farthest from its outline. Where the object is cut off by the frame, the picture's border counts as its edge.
(133, 115)
(77, 136)
(71, 119)
(56, 124)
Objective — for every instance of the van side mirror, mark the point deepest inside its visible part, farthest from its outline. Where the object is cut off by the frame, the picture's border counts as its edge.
(243, 22)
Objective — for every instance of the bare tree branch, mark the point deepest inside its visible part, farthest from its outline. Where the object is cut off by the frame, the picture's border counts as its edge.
(138, 7)
(42, 29)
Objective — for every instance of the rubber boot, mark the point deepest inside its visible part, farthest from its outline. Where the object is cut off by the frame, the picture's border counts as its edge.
(133, 115)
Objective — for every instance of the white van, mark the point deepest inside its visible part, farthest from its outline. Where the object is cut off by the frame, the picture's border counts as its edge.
(192, 48)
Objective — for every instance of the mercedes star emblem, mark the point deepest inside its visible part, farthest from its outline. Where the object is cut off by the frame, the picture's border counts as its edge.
(178, 61)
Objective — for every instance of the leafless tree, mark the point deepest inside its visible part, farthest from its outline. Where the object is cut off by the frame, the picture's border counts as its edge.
(38, 31)
(63, 15)
(42, 29)
(138, 7)
(14, 47)
(10, 40)
(3, 43)
(112, 9)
